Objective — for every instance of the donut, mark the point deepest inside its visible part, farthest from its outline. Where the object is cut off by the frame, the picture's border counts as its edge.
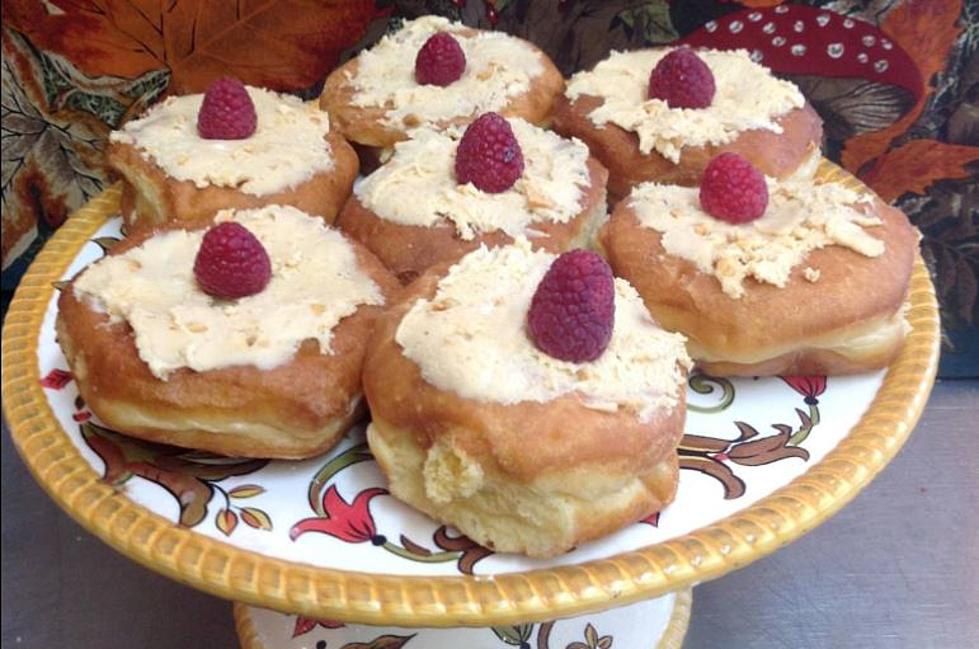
(754, 114)
(476, 427)
(271, 375)
(170, 173)
(374, 98)
(413, 214)
(816, 285)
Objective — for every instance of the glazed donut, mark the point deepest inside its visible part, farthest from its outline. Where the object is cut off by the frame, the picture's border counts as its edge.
(413, 214)
(375, 100)
(764, 119)
(477, 428)
(170, 173)
(814, 286)
(273, 375)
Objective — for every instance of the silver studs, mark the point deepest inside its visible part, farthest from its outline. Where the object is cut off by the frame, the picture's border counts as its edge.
(798, 50)
(757, 56)
(798, 26)
(868, 40)
(822, 20)
(754, 16)
(769, 28)
(886, 44)
(862, 57)
(835, 50)
(880, 66)
(781, 9)
(735, 26)
(848, 23)
(711, 25)
(778, 41)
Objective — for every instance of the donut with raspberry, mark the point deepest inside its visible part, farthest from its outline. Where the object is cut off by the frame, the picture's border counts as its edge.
(244, 336)
(662, 114)
(235, 146)
(527, 399)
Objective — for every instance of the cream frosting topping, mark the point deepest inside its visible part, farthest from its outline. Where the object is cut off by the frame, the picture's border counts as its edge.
(471, 339)
(747, 97)
(315, 283)
(498, 68)
(801, 216)
(286, 149)
(417, 186)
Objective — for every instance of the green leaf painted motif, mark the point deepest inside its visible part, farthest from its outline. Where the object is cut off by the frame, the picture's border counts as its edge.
(516, 635)
(651, 20)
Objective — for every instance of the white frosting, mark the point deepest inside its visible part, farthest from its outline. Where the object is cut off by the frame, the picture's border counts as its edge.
(286, 149)
(747, 97)
(801, 216)
(315, 283)
(498, 68)
(417, 186)
(471, 339)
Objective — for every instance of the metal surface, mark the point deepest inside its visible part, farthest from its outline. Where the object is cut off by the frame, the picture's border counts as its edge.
(899, 567)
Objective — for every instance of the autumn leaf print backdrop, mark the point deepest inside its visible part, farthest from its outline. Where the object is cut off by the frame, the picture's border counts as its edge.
(895, 81)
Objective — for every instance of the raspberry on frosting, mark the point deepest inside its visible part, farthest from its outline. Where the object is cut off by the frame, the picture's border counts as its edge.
(682, 80)
(440, 61)
(227, 112)
(733, 190)
(572, 312)
(489, 155)
(231, 262)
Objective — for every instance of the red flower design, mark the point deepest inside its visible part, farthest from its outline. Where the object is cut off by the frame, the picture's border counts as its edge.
(305, 625)
(350, 522)
(808, 386)
(56, 379)
(652, 519)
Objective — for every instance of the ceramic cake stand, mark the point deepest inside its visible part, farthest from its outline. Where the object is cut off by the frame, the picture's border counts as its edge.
(763, 462)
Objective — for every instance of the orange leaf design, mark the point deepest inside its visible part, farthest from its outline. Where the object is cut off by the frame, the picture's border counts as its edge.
(913, 166)
(281, 44)
(226, 520)
(246, 491)
(256, 518)
(927, 31)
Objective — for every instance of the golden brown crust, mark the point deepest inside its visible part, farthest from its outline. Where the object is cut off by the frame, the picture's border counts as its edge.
(774, 154)
(302, 407)
(409, 250)
(524, 441)
(769, 322)
(150, 198)
(364, 124)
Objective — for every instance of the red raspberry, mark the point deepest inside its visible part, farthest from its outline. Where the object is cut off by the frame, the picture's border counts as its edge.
(231, 262)
(227, 112)
(733, 190)
(488, 155)
(682, 80)
(573, 310)
(440, 61)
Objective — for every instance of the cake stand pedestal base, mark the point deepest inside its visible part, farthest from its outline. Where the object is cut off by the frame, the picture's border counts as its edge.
(659, 623)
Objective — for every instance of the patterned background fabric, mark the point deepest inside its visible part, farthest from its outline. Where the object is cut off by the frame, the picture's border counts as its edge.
(896, 82)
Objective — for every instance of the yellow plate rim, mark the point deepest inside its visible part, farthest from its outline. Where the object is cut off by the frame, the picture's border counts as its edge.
(672, 637)
(241, 575)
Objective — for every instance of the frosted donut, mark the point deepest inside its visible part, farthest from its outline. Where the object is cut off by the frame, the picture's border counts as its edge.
(764, 119)
(272, 375)
(170, 173)
(374, 98)
(477, 428)
(413, 214)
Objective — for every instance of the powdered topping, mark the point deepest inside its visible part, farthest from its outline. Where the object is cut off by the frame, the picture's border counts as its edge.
(747, 97)
(287, 148)
(498, 67)
(801, 217)
(315, 283)
(417, 186)
(471, 339)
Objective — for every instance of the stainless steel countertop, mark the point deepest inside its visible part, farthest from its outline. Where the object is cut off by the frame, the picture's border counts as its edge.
(899, 567)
